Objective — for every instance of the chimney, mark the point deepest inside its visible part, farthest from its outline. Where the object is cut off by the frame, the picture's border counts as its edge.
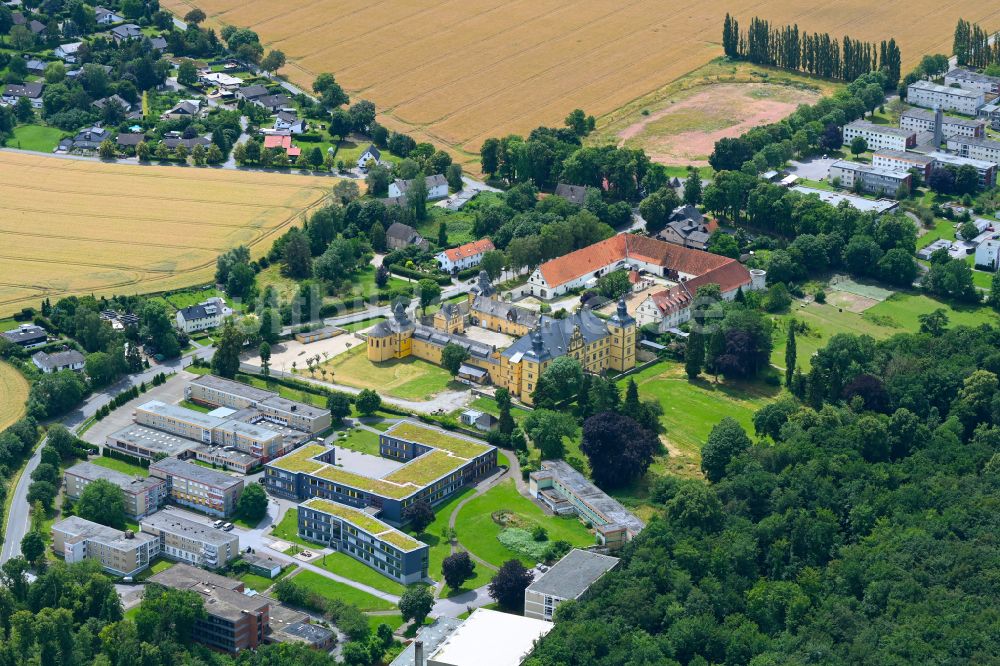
(418, 653)
(938, 127)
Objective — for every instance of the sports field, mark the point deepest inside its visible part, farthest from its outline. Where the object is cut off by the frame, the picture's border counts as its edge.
(14, 390)
(457, 71)
(81, 227)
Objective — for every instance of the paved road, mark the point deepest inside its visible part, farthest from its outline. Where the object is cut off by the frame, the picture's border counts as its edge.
(18, 522)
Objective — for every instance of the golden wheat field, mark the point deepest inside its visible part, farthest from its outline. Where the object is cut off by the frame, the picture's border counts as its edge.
(81, 227)
(13, 395)
(458, 71)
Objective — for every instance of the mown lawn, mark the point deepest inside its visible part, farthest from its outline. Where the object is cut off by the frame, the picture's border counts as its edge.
(261, 583)
(691, 408)
(332, 589)
(348, 567)
(903, 310)
(408, 378)
(36, 137)
(288, 530)
(120, 466)
(361, 440)
(435, 536)
(362, 325)
(478, 532)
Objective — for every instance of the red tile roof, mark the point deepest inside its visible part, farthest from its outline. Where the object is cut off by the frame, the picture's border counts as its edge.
(729, 276)
(277, 141)
(629, 246)
(469, 249)
(671, 300)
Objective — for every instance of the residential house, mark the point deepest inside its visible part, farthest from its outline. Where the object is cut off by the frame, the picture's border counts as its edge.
(931, 96)
(106, 16)
(64, 360)
(567, 580)
(437, 187)
(575, 194)
(36, 66)
(282, 142)
(158, 44)
(250, 93)
(970, 80)
(36, 27)
(207, 314)
(687, 227)
(188, 108)
(668, 308)
(370, 154)
(90, 138)
(119, 553)
(287, 121)
(174, 139)
(12, 92)
(191, 542)
(870, 179)
(221, 79)
(273, 103)
(464, 256)
(125, 32)
(26, 336)
(68, 52)
(143, 495)
(400, 235)
(880, 137)
(129, 140)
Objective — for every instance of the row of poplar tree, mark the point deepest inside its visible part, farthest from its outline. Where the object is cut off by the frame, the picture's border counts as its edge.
(816, 53)
(972, 46)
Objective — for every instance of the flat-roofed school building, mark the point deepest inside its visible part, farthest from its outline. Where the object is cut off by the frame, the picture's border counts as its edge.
(436, 464)
(197, 487)
(147, 443)
(371, 541)
(567, 579)
(143, 495)
(219, 392)
(188, 541)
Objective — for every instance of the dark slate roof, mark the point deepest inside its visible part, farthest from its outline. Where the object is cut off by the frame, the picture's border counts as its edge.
(403, 232)
(127, 31)
(273, 100)
(29, 90)
(373, 150)
(507, 311)
(174, 141)
(104, 101)
(253, 92)
(59, 359)
(687, 212)
(131, 138)
(36, 27)
(200, 311)
(576, 194)
(397, 323)
(26, 335)
(158, 43)
(431, 181)
(287, 116)
(551, 337)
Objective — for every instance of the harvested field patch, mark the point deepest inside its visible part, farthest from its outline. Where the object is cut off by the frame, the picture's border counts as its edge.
(75, 227)
(455, 72)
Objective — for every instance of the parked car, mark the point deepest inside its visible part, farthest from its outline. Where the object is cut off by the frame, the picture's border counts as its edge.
(227, 527)
(217, 524)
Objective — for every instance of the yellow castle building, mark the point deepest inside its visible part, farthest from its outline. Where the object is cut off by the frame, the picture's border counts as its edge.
(597, 344)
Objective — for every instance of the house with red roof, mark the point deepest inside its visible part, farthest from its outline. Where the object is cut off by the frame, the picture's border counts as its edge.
(283, 141)
(464, 256)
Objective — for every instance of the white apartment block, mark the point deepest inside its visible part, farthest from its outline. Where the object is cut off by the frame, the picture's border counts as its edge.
(868, 178)
(921, 120)
(903, 161)
(987, 170)
(120, 553)
(970, 80)
(977, 149)
(194, 543)
(931, 95)
(880, 137)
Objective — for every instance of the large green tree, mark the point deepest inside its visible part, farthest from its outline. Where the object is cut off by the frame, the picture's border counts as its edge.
(102, 502)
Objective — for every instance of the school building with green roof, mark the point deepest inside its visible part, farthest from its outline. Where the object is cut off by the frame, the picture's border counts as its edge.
(424, 463)
(365, 538)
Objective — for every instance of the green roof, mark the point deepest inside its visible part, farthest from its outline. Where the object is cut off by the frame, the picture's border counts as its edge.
(365, 522)
(377, 486)
(427, 468)
(301, 460)
(439, 439)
